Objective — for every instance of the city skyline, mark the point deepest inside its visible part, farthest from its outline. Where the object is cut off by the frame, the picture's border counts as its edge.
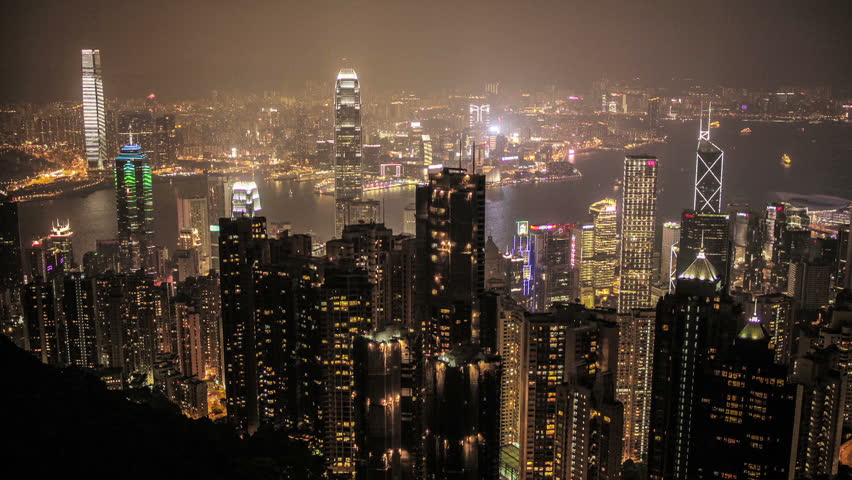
(528, 272)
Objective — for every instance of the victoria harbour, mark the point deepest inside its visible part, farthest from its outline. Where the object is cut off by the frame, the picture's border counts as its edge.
(754, 175)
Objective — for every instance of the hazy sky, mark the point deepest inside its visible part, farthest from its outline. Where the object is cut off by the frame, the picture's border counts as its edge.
(189, 47)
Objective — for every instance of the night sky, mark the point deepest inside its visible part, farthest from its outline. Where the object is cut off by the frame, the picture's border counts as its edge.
(187, 48)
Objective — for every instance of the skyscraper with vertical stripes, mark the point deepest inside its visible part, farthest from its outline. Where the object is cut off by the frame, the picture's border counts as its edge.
(94, 113)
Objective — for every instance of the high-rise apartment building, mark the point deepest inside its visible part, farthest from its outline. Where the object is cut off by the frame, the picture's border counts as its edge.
(638, 227)
(345, 310)
(94, 112)
(451, 249)
(568, 345)
(134, 198)
(348, 142)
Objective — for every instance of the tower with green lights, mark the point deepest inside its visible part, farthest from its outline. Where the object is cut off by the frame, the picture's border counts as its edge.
(134, 199)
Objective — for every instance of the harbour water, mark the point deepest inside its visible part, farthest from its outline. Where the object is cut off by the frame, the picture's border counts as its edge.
(821, 164)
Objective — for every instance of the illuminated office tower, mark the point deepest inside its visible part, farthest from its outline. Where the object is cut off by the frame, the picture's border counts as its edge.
(245, 199)
(587, 266)
(634, 378)
(695, 325)
(668, 253)
(709, 163)
(386, 404)
(348, 179)
(568, 344)
(80, 331)
(94, 113)
(451, 253)
(554, 264)
(461, 437)
(521, 267)
(345, 310)
(193, 217)
(638, 225)
(710, 232)
(134, 197)
(605, 247)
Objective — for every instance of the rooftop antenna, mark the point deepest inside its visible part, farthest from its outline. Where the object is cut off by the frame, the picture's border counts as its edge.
(461, 149)
(473, 161)
(131, 133)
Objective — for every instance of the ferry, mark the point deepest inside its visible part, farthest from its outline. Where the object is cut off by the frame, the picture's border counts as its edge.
(745, 131)
(786, 160)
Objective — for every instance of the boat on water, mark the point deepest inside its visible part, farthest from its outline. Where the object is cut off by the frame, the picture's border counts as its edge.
(745, 131)
(786, 161)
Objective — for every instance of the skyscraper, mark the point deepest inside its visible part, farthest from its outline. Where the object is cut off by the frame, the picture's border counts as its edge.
(348, 180)
(451, 246)
(604, 250)
(638, 225)
(134, 198)
(709, 162)
(695, 325)
(345, 310)
(241, 248)
(94, 113)
(79, 308)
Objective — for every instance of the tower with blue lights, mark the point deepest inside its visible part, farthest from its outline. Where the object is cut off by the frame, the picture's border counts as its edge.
(134, 200)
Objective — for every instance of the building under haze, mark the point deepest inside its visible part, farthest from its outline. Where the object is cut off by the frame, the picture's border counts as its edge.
(348, 141)
(94, 111)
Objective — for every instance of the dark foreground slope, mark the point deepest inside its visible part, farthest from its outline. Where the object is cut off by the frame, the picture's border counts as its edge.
(64, 422)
